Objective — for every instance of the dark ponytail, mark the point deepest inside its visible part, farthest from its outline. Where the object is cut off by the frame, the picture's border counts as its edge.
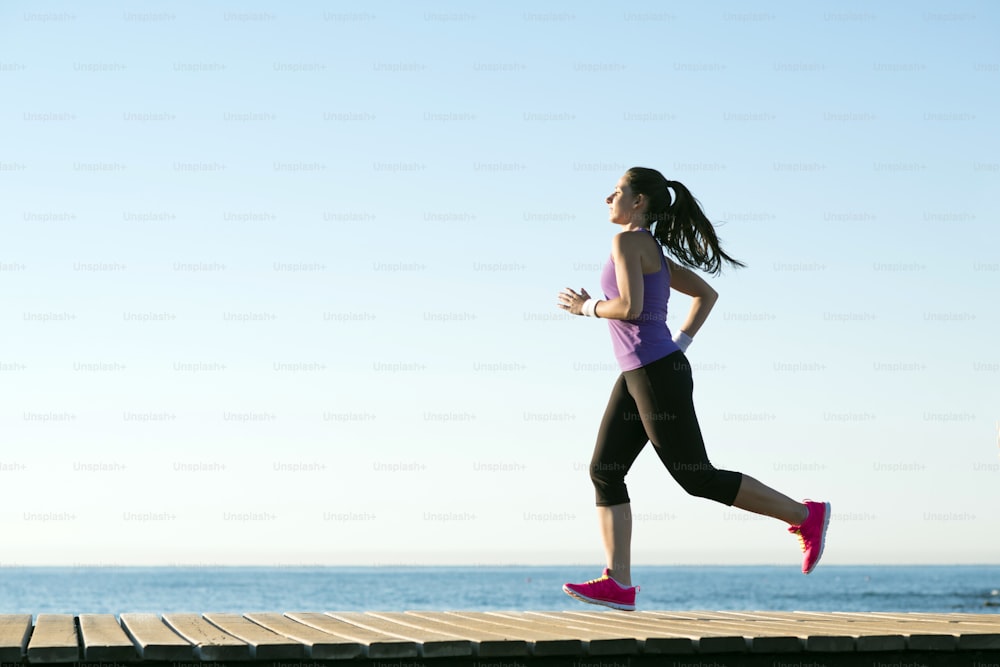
(681, 226)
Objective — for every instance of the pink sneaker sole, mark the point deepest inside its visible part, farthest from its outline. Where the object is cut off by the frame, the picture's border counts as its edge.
(822, 539)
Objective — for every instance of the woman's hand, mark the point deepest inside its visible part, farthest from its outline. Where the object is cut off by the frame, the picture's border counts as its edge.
(571, 301)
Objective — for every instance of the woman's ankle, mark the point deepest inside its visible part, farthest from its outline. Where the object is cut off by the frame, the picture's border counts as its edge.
(623, 580)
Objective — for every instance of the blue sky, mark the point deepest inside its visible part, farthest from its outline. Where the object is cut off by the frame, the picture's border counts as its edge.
(279, 283)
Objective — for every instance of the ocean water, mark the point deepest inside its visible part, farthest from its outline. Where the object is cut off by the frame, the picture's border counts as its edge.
(75, 590)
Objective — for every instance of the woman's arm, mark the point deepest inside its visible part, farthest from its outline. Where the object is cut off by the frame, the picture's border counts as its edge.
(628, 272)
(688, 282)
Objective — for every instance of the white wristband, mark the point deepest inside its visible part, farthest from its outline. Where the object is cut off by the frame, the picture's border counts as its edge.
(589, 308)
(682, 340)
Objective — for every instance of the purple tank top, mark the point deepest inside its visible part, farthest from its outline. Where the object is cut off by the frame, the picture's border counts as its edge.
(645, 339)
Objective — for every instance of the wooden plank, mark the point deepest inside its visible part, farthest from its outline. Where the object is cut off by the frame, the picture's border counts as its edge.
(877, 631)
(432, 644)
(869, 634)
(709, 636)
(655, 637)
(918, 637)
(816, 639)
(973, 631)
(540, 642)
(210, 643)
(909, 617)
(888, 635)
(54, 639)
(517, 621)
(929, 632)
(866, 638)
(759, 630)
(154, 639)
(599, 640)
(521, 619)
(377, 645)
(318, 645)
(761, 639)
(691, 615)
(14, 632)
(264, 644)
(704, 640)
(777, 638)
(487, 643)
(273, 637)
(104, 640)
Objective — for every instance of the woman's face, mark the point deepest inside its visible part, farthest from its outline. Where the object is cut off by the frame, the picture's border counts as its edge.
(622, 203)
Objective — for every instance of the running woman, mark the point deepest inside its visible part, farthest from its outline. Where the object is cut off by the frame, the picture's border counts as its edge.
(652, 398)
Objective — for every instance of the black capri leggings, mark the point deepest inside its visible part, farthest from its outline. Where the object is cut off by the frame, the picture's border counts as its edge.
(654, 403)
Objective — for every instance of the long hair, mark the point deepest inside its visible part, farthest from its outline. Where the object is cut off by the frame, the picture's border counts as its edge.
(681, 226)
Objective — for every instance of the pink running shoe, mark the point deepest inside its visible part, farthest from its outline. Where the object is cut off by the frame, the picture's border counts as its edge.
(812, 534)
(604, 590)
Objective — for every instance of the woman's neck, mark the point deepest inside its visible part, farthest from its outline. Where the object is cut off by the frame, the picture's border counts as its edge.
(634, 228)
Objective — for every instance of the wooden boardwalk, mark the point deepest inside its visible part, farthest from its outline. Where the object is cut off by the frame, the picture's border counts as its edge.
(585, 638)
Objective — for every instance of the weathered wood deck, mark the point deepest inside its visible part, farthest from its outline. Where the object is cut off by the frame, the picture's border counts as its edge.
(584, 638)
